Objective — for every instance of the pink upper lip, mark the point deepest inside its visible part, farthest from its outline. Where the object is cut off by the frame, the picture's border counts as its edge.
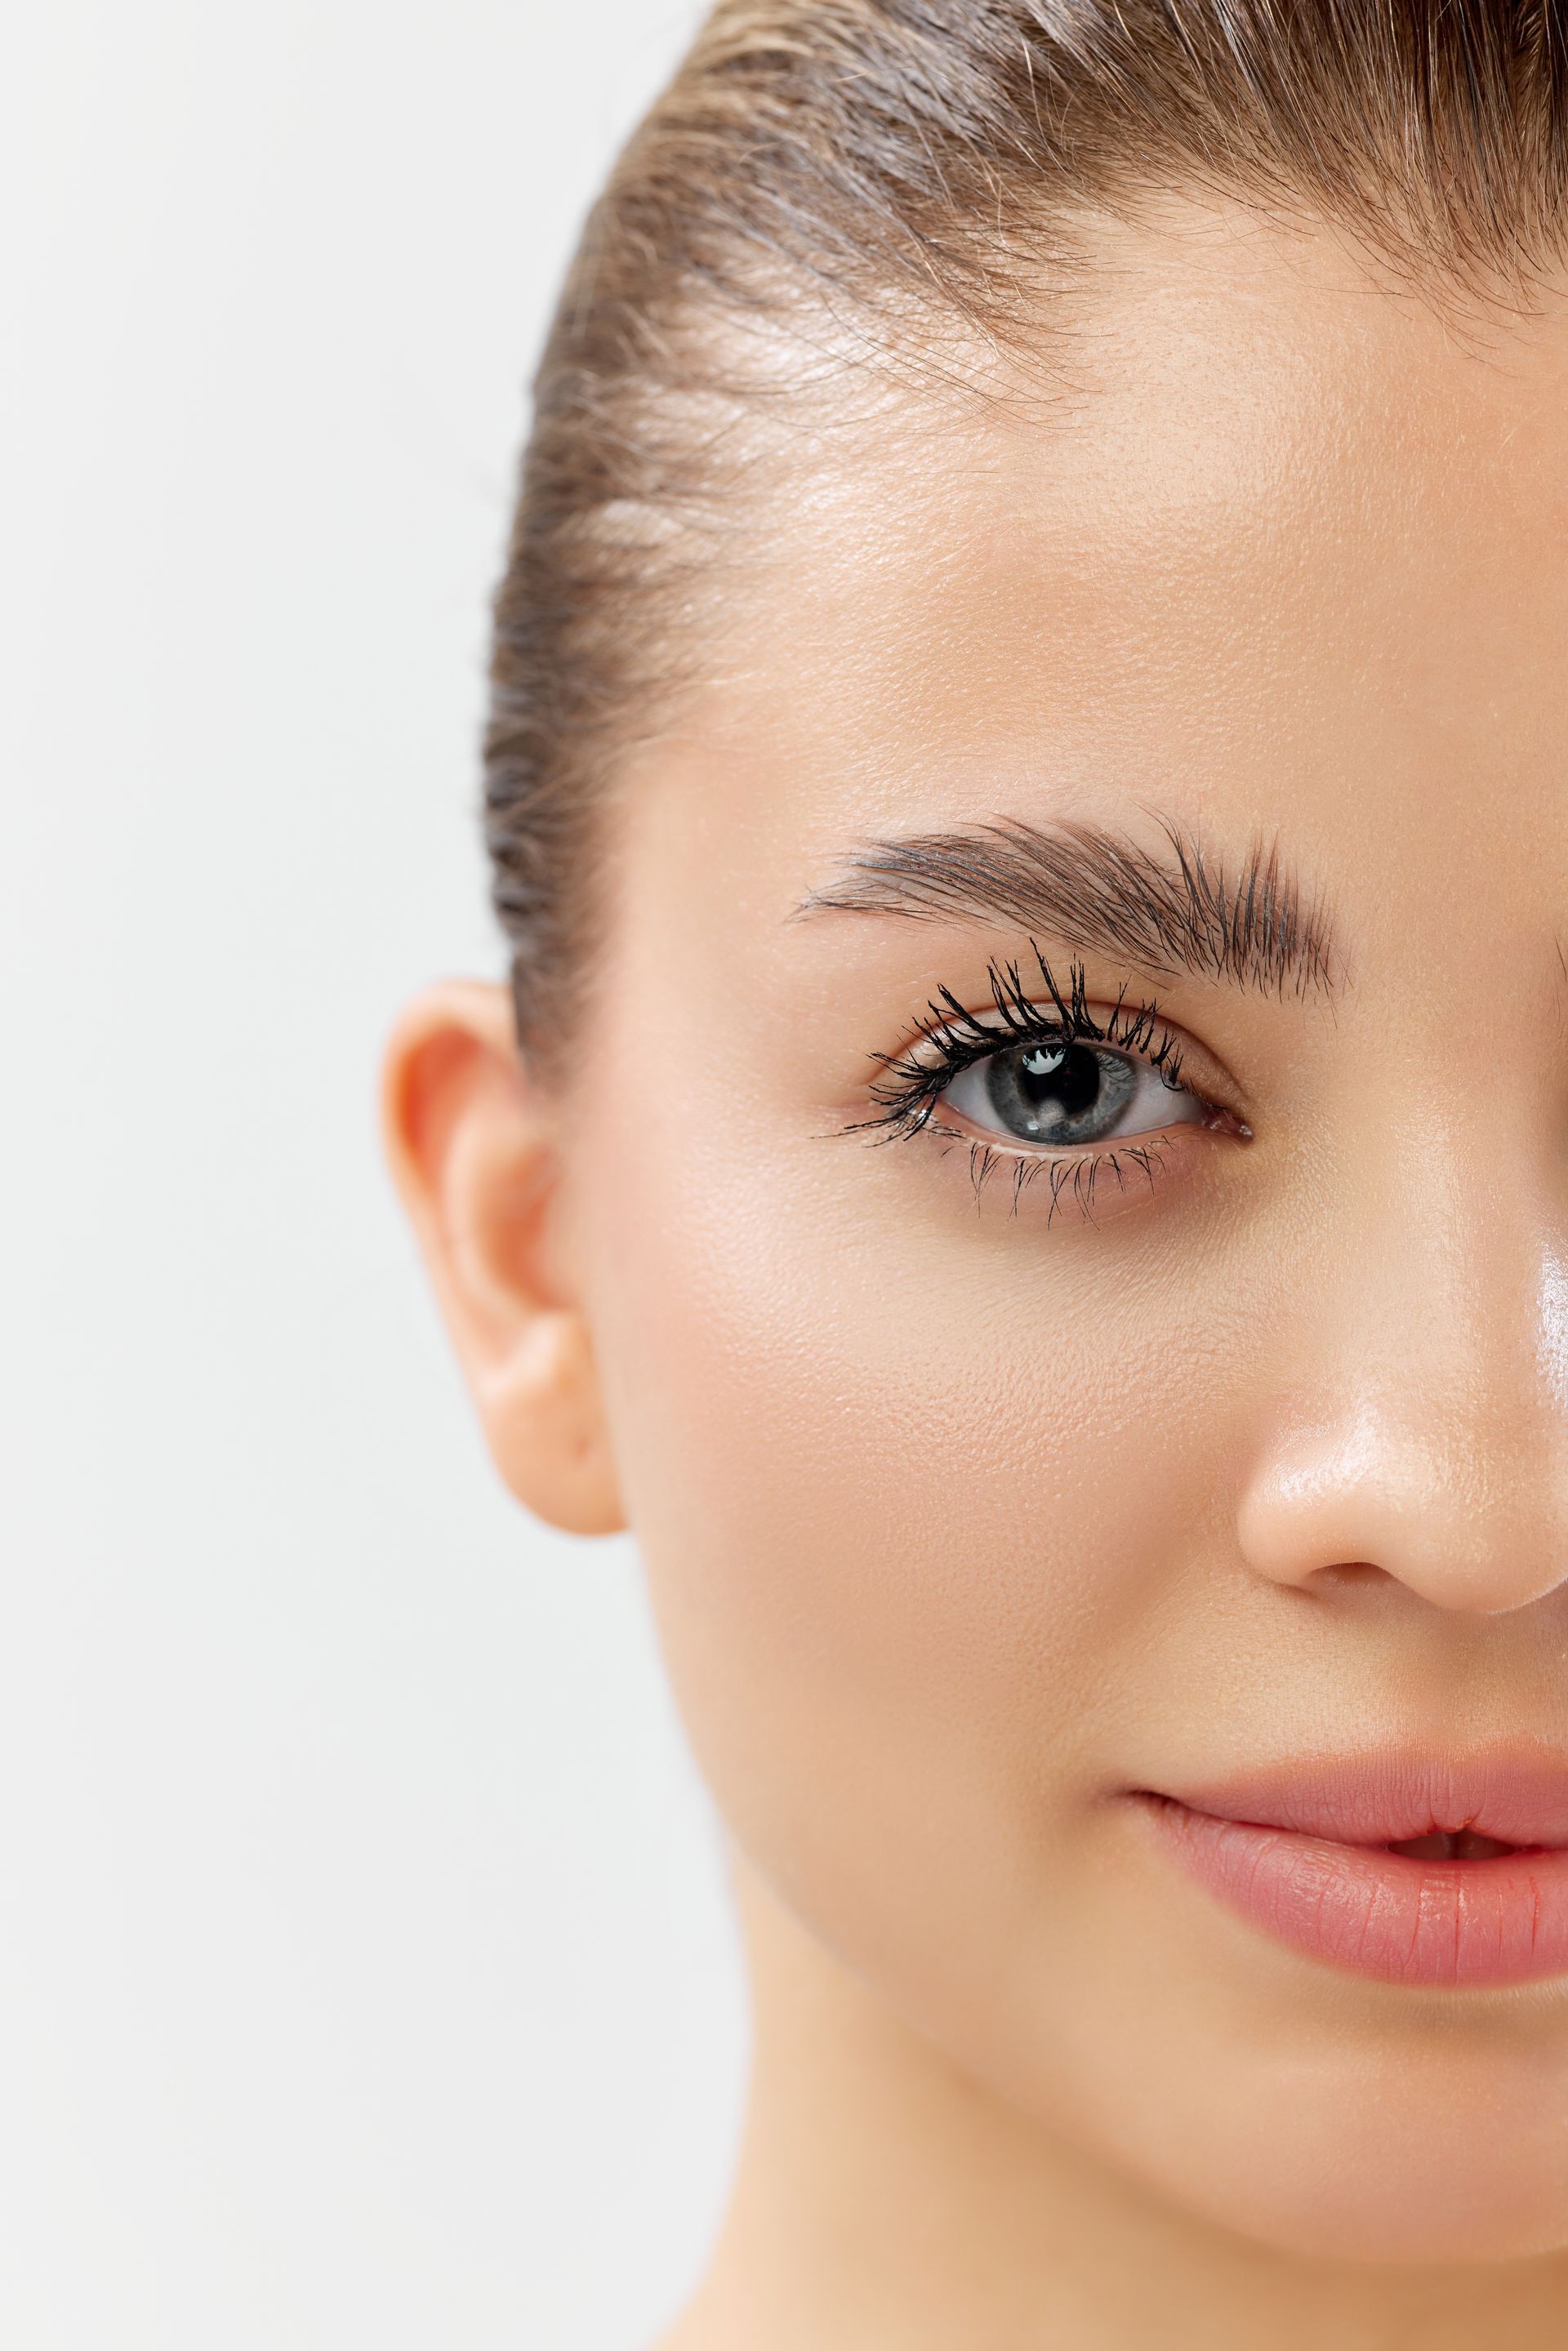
(1518, 1799)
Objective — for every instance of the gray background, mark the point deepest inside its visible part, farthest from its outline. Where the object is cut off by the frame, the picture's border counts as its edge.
(365, 1977)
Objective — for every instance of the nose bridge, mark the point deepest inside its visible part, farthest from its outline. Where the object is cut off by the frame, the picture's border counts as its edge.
(1420, 1414)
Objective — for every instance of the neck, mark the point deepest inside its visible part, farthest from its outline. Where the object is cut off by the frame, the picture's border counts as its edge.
(883, 2198)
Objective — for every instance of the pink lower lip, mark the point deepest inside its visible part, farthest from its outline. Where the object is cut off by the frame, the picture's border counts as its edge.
(1391, 1916)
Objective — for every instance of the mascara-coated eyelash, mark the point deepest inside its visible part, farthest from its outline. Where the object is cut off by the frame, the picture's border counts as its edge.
(953, 1038)
(1053, 1072)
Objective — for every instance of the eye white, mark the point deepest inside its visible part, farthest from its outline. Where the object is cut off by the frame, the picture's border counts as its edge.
(1059, 1096)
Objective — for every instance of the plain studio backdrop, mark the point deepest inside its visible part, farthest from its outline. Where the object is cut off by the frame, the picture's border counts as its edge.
(365, 1973)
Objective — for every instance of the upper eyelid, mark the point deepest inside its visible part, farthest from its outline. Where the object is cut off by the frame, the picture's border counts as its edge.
(933, 1034)
(1136, 1028)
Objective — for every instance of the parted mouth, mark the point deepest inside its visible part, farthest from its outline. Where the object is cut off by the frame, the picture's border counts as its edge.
(1455, 1844)
(1432, 1845)
(1421, 1870)
(1475, 1807)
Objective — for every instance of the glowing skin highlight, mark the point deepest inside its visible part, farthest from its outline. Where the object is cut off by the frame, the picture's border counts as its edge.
(1038, 1575)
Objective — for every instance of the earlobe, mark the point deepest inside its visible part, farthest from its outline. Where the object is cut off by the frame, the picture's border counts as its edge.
(471, 1149)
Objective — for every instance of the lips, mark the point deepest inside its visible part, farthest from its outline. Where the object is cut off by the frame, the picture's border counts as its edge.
(1408, 1869)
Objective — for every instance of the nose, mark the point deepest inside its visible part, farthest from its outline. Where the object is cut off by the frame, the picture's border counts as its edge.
(1418, 1422)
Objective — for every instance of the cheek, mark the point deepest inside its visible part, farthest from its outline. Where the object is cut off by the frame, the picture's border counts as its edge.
(938, 1545)
(908, 1483)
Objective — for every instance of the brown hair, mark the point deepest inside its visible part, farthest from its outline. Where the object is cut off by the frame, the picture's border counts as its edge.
(869, 163)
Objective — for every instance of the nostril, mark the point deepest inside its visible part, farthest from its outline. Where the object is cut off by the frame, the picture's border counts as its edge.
(1349, 1574)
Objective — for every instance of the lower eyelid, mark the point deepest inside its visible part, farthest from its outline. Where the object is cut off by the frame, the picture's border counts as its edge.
(1088, 1182)
(1016, 1147)
(1092, 1180)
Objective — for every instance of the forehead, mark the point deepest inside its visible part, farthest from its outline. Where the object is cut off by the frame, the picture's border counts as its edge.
(1266, 541)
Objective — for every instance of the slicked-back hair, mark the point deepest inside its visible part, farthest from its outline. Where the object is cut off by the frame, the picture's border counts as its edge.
(893, 167)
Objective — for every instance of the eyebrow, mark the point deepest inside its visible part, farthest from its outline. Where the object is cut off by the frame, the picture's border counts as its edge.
(1168, 909)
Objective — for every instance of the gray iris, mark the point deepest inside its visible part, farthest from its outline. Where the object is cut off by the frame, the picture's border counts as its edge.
(1059, 1093)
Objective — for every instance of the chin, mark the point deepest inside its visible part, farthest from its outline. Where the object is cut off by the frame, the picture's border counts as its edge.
(1448, 2157)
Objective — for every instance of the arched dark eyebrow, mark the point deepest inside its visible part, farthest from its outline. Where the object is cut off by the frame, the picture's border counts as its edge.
(1170, 909)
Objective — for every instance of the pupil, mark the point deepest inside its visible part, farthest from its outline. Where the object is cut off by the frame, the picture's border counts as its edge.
(1066, 1078)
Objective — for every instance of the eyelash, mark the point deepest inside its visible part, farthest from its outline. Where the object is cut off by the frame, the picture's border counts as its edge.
(951, 1037)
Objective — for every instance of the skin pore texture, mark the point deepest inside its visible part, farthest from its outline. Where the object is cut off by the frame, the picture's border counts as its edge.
(973, 1506)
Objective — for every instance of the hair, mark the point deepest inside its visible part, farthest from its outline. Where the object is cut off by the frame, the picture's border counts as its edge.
(864, 177)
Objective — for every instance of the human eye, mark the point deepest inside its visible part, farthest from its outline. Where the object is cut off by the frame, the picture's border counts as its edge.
(1044, 1081)
(1065, 1092)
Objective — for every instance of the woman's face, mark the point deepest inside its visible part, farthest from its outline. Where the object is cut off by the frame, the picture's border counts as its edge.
(985, 1499)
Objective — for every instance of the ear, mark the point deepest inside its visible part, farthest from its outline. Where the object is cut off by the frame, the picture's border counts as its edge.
(471, 1151)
